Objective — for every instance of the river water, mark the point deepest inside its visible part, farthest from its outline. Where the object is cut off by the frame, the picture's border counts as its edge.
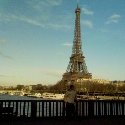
(15, 97)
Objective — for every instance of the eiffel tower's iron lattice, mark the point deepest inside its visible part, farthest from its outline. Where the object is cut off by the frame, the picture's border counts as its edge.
(77, 67)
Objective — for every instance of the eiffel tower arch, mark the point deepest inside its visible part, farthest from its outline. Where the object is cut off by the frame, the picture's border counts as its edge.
(77, 68)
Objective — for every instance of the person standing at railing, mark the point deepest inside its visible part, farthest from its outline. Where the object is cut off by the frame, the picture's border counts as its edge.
(70, 99)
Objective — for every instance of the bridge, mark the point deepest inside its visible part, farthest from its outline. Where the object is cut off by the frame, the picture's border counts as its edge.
(110, 112)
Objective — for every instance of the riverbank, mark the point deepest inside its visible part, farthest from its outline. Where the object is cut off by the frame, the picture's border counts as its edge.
(48, 96)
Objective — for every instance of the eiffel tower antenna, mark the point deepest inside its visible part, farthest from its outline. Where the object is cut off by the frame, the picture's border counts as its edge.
(77, 3)
(77, 67)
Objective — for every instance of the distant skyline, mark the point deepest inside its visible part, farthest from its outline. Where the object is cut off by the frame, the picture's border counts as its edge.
(36, 38)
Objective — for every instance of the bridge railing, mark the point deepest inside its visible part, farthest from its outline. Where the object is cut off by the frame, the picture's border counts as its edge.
(56, 108)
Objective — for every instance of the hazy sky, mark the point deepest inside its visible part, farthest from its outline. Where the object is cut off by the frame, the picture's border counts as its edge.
(36, 39)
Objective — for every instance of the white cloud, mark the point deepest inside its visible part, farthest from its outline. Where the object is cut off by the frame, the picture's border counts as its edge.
(87, 11)
(27, 20)
(4, 17)
(43, 17)
(34, 22)
(50, 72)
(30, 21)
(54, 2)
(10, 18)
(113, 19)
(115, 16)
(87, 23)
(58, 26)
(5, 56)
(41, 4)
(67, 44)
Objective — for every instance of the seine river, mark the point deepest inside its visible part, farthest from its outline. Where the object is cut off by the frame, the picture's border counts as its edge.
(14, 97)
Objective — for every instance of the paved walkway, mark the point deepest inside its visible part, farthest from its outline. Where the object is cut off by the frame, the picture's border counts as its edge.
(88, 121)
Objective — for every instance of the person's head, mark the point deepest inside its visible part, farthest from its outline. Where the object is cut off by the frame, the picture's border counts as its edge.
(71, 87)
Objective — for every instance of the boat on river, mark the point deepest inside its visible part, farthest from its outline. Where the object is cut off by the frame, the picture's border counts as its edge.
(53, 96)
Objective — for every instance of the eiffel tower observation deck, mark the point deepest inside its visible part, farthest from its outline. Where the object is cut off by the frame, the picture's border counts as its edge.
(77, 68)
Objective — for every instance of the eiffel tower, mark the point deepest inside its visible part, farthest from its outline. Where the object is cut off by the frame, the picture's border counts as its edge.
(77, 68)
